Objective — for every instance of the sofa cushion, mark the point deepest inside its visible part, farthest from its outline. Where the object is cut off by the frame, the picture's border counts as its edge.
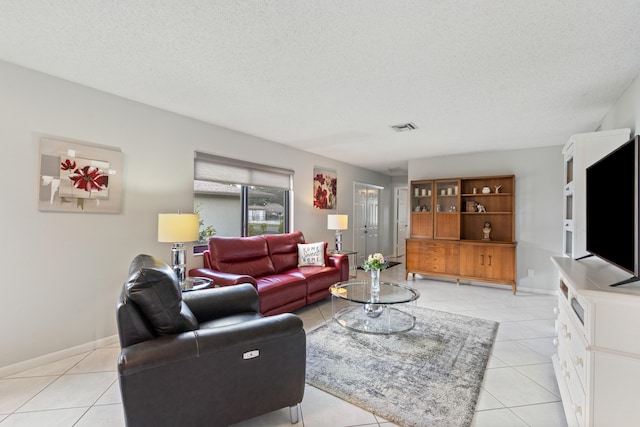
(154, 288)
(280, 290)
(241, 255)
(311, 254)
(283, 249)
(319, 278)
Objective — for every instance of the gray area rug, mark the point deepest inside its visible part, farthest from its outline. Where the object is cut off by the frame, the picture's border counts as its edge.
(428, 376)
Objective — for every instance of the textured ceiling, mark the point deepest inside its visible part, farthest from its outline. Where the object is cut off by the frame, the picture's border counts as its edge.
(330, 77)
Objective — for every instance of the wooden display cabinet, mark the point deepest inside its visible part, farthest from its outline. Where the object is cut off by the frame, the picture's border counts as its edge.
(448, 221)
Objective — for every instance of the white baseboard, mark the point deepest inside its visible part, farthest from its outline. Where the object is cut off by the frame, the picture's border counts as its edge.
(537, 290)
(58, 355)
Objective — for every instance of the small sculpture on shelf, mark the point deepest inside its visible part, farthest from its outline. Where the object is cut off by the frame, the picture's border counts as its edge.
(486, 231)
(480, 208)
(497, 187)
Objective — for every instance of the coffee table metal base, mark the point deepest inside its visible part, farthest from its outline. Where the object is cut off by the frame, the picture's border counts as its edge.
(374, 319)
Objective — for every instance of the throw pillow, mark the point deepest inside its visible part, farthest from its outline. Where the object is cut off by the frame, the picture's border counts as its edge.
(311, 254)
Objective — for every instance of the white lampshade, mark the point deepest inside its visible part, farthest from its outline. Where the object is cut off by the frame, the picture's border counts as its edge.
(337, 222)
(178, 228)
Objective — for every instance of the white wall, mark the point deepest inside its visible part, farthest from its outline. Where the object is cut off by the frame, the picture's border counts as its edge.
(62, 272)
(626, 112)
(538, 202)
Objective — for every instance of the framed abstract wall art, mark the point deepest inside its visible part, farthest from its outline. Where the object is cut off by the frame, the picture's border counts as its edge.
(79, 177)
(325, 186)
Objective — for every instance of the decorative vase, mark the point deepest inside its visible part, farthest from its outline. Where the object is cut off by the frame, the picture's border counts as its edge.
(375, 280)
(374, 310)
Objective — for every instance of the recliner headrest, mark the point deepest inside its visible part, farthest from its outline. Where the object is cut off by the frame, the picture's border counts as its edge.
(153, 287)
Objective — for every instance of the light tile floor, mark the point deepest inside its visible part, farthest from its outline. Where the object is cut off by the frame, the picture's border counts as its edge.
(519, 387)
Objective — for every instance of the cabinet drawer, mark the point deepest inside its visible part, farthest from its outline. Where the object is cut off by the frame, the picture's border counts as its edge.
(570, 378)
(440, 258)
(570, 336)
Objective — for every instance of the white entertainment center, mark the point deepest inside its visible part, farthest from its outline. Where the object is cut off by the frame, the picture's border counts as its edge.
(597, 363)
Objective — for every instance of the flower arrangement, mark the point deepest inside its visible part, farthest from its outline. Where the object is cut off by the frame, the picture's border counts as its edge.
(375, 262)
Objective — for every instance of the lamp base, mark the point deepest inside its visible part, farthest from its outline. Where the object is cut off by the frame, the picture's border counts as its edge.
(178, 262)
(338, 241)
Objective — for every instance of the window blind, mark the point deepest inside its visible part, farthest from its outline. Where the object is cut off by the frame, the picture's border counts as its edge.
(209, 167)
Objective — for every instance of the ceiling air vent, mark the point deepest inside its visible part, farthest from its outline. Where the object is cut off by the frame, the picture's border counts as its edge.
(404, 127)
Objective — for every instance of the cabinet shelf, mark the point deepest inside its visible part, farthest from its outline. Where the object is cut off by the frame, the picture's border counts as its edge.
(486, 213)
(487, 242)
(486, 195)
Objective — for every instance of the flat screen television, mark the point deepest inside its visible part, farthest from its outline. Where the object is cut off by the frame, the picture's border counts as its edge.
(612, 208)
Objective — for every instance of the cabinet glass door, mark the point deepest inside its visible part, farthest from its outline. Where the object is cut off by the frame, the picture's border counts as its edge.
(447, 196)
(447, 210)
(568, 246)
(422, 209)
(422, 194)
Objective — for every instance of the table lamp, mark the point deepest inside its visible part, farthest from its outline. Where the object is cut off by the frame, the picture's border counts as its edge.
(177, 229)
(338, 223)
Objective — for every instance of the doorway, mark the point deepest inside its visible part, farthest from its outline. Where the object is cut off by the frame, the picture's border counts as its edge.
(366, 222)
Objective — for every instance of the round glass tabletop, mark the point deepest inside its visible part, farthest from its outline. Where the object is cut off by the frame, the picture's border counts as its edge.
(360, 292)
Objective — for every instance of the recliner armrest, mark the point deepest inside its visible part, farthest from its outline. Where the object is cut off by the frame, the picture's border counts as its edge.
(214, 303)
(249, 334)
(244, 336)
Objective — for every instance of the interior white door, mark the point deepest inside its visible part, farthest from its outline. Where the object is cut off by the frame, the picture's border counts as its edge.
(366, 224)
(360, 221)
(373, 196)
(401, 220)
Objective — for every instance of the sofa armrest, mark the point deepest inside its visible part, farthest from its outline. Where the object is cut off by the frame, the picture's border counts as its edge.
(213, 303)
(222, 279)
(341, 262)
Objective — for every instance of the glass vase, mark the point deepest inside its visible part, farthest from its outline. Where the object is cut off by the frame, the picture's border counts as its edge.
(375, 280)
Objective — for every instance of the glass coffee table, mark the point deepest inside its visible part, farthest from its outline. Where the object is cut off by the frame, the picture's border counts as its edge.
(356, 307)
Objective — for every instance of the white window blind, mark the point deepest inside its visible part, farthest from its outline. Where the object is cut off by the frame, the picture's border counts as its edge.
(209, 167)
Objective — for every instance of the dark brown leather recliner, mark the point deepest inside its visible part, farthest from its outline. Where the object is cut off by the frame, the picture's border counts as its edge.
(203, 358)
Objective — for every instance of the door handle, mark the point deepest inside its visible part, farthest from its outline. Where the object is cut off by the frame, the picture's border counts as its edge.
(482, 259)
(489, 260)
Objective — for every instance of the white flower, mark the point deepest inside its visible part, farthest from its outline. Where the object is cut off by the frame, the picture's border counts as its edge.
(375, 262)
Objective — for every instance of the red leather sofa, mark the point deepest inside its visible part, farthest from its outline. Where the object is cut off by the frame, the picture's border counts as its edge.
(270, 263)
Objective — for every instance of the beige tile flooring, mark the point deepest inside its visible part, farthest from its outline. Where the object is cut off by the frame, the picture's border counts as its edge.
(519, 388)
